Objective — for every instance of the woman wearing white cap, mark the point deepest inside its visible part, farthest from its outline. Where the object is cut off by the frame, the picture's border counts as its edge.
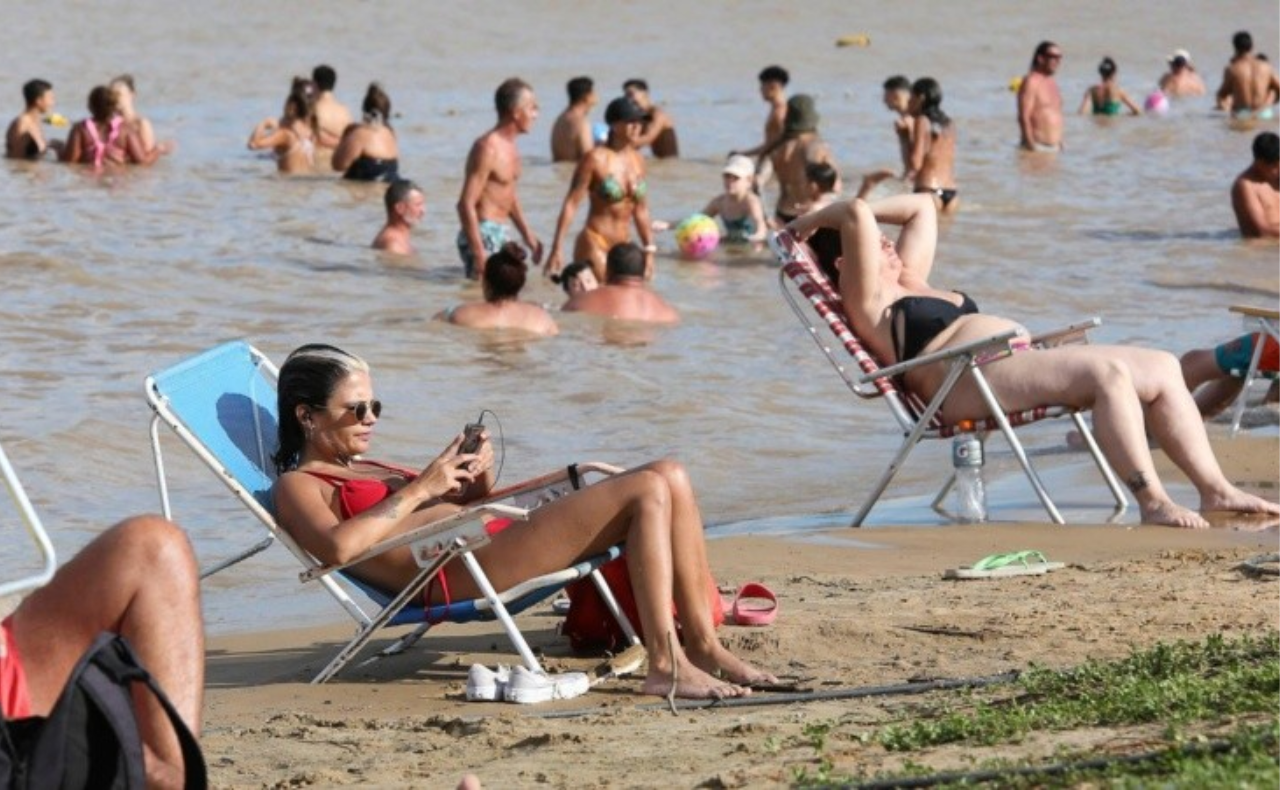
(1181, 79)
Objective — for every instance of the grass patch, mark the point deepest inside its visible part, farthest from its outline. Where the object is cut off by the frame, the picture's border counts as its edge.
(1170, 683)
(1183, 686)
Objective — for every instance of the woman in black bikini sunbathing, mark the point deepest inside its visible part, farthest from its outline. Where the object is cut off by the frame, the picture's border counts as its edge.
(1132, 391)
(336, 504)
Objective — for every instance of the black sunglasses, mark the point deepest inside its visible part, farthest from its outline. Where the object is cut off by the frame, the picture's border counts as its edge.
(362, 408)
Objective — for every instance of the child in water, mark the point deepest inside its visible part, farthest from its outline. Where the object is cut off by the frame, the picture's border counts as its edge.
(738, 207)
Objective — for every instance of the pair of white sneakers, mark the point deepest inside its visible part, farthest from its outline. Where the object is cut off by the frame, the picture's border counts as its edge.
(523, 686)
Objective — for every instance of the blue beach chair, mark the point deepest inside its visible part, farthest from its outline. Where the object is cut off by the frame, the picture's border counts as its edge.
(222, 405)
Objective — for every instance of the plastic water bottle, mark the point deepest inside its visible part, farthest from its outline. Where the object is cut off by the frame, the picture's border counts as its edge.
(971, 496)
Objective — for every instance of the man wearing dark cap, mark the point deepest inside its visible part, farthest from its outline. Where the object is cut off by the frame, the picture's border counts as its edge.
(799, 147)
(659, 131)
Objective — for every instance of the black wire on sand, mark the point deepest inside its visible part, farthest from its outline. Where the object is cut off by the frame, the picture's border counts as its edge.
(765, 698)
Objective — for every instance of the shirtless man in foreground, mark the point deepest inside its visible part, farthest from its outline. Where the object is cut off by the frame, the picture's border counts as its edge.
(332, 116)
(1040, 101)
(659, 131)
(571, 135)
(624, 295)
(489, 196)
(1248, 82)
(1255, 194)
(406, 206)
(25, 138)
(799, 147)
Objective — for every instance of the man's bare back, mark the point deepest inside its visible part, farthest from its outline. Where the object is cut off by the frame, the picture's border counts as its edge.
(789, 163)
(626, 300)
(571, 135)
(1247, 82)
(332, 119)
(25, 138)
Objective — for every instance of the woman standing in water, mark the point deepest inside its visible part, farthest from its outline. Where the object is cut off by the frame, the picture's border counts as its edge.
(933, 146)
(612, 175)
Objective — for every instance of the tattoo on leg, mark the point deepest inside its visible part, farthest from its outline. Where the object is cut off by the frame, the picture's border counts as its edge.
(1137, 481)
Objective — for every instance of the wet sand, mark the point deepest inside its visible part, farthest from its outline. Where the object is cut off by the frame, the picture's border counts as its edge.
(857, 608)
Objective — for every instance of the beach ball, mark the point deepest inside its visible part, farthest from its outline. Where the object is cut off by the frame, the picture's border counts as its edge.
(697, 236)
(1156, 103)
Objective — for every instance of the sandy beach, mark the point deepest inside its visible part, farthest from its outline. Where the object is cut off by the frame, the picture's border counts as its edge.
(856, 609)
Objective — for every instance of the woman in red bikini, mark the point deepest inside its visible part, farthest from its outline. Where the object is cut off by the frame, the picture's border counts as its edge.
(336, 504)
(1132, 391)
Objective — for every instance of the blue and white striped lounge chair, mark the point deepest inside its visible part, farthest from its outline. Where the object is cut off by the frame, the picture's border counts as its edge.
(222, 405)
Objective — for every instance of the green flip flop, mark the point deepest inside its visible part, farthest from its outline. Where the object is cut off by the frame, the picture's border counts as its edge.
(1018, 563)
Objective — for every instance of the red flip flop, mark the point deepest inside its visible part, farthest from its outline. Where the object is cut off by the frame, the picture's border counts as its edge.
(748, 608)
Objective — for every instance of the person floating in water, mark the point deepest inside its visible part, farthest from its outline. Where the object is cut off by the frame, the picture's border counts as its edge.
(406, 206)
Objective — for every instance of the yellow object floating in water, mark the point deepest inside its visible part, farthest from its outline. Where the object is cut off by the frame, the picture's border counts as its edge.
(1015, 84)
(55, 119)
(855, 40)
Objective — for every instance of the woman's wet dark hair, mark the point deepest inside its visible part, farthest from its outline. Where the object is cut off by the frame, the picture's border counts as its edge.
(930, 93)
(504, 273)
(377, 104)
(307, 378)
(102, 103)
(1107, 68)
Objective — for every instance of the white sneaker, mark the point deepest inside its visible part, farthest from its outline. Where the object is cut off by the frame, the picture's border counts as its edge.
(527, 687)
(486, 685)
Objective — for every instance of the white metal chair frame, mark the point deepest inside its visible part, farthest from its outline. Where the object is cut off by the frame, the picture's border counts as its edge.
(31, 521)
(1266, 322)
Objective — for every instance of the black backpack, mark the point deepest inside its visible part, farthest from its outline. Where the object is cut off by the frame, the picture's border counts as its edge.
(91, 739)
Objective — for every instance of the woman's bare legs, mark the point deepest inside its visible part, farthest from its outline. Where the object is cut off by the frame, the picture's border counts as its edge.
(1128, 389)
(637, 507)
(139, 580)
(692, 577)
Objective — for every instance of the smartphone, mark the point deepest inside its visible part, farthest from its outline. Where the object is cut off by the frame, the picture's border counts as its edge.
(471, 436)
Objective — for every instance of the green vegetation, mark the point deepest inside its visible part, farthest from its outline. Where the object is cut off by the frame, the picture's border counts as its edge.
(1230, 687)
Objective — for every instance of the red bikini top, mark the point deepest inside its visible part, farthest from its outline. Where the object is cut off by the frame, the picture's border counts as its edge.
(356, 495)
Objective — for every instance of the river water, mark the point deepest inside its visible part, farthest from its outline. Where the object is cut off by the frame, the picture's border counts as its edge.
(108, 278)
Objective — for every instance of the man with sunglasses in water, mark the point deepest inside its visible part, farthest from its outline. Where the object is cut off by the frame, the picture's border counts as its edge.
(1040, 101)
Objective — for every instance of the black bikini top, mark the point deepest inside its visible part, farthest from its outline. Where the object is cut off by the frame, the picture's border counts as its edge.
(922, 319)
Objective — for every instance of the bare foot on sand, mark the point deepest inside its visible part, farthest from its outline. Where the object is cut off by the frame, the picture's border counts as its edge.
(691, 683)
(1169, 514)
(1236, 501)
(719, 660)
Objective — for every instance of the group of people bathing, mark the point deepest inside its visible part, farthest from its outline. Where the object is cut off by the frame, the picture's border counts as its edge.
(113, 133)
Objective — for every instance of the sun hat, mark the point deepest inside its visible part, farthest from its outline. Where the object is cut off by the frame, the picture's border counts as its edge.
(802, 116)
(740, 166)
